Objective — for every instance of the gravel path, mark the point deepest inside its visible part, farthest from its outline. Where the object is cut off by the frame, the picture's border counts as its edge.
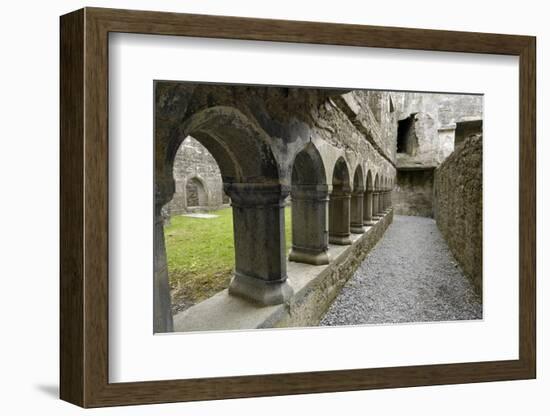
(410, 276)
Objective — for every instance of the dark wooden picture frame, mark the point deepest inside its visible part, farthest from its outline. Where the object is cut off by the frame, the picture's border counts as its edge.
(84, 207)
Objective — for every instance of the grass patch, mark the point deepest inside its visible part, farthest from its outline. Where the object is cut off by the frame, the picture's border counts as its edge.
(201, 256)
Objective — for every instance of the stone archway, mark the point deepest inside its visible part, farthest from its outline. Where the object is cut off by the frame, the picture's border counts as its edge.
(376, 214)
(357, 196)
(309, 196)
(250, 176)
(339, 204)
(368, 201)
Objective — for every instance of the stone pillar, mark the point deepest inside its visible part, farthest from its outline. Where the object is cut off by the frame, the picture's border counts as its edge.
(380, 203)
(367, 208)
(339, 212)
(356, 212)
(162, 307)
(259, 234)
(375, 205)
(309, 224)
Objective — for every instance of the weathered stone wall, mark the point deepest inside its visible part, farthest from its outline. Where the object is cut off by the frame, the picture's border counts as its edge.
(413, 193)
(435, 117)
(467, 128)
(197, 177)
(426, 137)
(446, 108)
(458, 205)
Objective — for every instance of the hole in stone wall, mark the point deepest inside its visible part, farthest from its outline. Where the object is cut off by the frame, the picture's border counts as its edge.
(407, 141)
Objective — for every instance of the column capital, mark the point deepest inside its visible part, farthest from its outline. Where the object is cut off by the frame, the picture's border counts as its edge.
(341, 191)
(256, 194)
(310, 192)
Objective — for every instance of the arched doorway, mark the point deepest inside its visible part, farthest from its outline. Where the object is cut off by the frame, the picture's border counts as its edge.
(196, 193)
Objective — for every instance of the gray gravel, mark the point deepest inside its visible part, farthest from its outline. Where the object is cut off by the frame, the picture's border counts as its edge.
(410, 276)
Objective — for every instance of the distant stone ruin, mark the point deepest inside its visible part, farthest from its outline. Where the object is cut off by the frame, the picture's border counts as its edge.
(430, 126)
(198, 180)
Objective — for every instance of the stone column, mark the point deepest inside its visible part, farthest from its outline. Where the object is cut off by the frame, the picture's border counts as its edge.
(356, 212)
(375, 205)
(259, 234)
(162, 307)
(339, 212)
(380, 203)
(367, 208)
(309, 224)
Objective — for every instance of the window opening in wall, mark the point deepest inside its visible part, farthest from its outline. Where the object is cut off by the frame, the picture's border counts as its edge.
(406, 136)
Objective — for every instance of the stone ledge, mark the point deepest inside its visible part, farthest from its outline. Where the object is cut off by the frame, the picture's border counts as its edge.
(315, 287)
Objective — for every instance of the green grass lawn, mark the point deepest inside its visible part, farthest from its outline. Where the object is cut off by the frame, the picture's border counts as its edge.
(201, 257)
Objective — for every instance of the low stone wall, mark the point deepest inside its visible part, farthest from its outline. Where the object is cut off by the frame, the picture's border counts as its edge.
(458, 199)
(413, 192)
(315, 288)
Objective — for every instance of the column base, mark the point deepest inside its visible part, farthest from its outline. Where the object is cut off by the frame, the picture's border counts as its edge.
(369, 223)
(357, 229)
(341, 240)
(260, 291)
(309, 257)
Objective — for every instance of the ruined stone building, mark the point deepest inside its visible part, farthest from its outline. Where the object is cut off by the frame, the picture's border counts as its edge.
(343, 156)
(430, 126)
(198, 181)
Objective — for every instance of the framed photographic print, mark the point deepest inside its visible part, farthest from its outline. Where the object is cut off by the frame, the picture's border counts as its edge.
(256, 207)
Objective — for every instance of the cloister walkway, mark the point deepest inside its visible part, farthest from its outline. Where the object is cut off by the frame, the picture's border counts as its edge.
(410, 276)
